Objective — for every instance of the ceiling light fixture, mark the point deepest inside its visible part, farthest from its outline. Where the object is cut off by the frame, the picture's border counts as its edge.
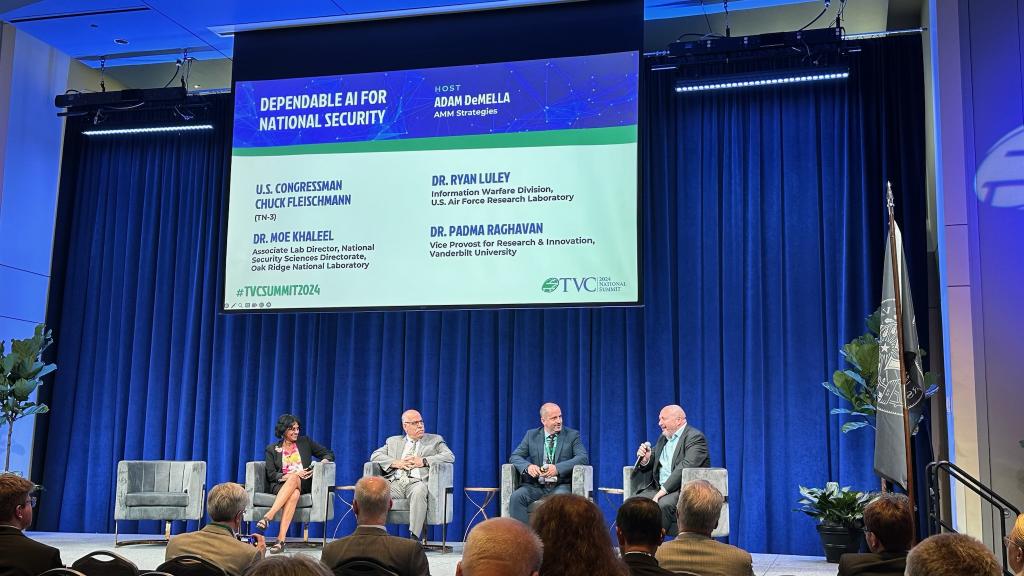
(762, 79)
(148, 130)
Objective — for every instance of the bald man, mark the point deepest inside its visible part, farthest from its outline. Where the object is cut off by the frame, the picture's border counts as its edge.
(545, 459)
(405, 461)
(501, 547)
(659, 475)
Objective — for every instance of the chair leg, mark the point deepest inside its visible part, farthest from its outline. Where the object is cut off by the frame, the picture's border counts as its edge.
(167, 530)
(115, 535)
(305, 532)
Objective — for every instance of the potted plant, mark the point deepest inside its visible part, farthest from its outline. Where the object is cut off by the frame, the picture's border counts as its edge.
(840, 516)
(21, 372)
(858, 385)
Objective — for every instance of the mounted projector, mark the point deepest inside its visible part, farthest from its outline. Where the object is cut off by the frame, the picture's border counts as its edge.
(120, 98)
(730, 47)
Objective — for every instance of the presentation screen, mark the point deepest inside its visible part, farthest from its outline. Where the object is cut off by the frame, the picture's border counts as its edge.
(501, 184)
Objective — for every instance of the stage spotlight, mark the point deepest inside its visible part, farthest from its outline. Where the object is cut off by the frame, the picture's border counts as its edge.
(147, 130)
(760, 79)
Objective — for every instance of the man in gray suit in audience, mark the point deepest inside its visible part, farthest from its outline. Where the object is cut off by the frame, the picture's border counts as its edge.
(405, 461)
(545, 459)
(371, 540)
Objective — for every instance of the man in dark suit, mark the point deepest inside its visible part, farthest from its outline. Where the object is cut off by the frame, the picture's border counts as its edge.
(371, 540)
(638, 527)
(545, 459)
(659, 474)
(19, 554)
(889, 531)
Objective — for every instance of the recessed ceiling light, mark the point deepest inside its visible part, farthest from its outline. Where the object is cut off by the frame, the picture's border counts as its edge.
(121, 41)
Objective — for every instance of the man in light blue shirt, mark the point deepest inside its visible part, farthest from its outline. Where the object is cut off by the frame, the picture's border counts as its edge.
(659, 474)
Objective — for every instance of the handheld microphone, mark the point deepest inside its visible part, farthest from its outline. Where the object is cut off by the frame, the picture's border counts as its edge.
(639, 458)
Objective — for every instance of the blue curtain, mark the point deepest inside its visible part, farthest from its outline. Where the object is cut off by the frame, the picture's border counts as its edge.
(763, 230)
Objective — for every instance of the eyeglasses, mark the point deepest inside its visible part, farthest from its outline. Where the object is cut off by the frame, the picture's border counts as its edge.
(30, 502)
(1007, 542)
(415, 423)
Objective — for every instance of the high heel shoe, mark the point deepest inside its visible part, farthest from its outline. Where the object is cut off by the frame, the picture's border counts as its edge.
(261, 526)
(277, 548)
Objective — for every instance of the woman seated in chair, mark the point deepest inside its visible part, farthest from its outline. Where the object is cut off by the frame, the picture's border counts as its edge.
(289, 473)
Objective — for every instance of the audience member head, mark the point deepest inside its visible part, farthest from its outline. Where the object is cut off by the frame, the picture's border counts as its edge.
(372, 500)
(575, 539)
(699, 507)
(284, 422)
(226, 503)
(889, 523)
(296, 565)
(638, 525)
(952, 555)
(671, 419)
(501, 547)
(16, 500)
(1015, 546)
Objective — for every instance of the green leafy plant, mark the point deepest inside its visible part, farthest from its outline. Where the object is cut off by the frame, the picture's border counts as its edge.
(858, 385)
(833, 505)
(21, 372)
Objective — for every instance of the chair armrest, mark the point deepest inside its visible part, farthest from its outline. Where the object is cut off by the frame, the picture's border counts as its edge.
(629, 489)
(323, 476)
(195, 486)
(440, 482)
(120, 508)
(583, 481)
(372, 469)
(509, 483)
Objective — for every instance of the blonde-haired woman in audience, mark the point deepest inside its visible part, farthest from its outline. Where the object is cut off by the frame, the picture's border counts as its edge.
(1015, 546)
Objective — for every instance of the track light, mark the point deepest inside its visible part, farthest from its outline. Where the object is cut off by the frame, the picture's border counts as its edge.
(763, 79)
(147, 130)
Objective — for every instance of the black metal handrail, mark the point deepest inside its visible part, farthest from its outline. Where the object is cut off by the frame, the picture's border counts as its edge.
(935, 522)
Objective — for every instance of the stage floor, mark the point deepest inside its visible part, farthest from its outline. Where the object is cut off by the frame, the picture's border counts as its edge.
(148, 557)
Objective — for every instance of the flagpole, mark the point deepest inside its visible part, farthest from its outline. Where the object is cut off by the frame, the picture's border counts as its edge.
(897, 285)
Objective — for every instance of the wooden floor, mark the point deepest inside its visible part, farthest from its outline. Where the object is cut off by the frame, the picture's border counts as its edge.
(147, 557)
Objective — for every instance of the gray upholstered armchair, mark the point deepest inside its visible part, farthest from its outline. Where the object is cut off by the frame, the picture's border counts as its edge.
(582, 485)
(440, 484)
(159, 490)
(718, 477)
(312, 507)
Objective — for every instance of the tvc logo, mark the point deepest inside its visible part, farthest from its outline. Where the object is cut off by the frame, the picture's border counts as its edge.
(582, 284)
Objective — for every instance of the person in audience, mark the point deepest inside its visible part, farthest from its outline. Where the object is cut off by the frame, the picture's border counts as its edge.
(545, 459)
(576, 542)
(216, 541)
(405, 461)
(501, 547)
(889, 531)
(639, 530)
(289, 473)
(19, 554)
(297, 565)
(659, 473)
(1015, 546)
(371, 540)
(700, 505)
(951, 554)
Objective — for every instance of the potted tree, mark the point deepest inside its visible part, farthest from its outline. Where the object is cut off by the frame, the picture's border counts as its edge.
(840, 516)
(21, 372)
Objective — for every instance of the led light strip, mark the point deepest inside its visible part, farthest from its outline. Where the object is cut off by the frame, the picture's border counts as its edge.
(727, 84)
(148, 130)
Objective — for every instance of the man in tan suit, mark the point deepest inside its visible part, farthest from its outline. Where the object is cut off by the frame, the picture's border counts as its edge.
(694, 550)
(405, 462)
(216, 541)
